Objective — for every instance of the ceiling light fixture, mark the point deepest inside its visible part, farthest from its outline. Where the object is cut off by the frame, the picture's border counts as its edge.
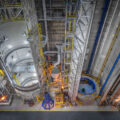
(34, 74)
(26, 42)
(9, 46)
(28, 54)
(14, 59)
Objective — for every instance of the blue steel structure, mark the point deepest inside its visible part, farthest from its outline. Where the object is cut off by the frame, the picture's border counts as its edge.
(48, 102)
(111, 71)
(98, 34)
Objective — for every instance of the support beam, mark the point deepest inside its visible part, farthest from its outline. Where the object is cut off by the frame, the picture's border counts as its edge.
(45, 21)
(6, 72)
(110, 73)
(52, 19)
(101, 55)
(109, 50)
(82, 34)
(98, 34)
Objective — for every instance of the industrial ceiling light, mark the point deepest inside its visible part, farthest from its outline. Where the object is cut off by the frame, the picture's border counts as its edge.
(9, 46)
(34, 74)
(14, 59)
(28, 54)
(26, 42)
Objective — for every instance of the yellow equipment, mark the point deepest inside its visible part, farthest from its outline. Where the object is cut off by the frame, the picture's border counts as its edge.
(59, 99)
(2, 73)
(12, 4)
(17, 81)
(38, 98)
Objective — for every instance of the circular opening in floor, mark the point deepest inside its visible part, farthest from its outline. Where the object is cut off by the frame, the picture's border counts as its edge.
(87, 86)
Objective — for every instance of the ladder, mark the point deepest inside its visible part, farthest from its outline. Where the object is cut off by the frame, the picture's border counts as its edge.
(70, 22)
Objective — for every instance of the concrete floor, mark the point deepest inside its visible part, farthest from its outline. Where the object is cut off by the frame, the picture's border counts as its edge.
(59, 115)
(17, 105)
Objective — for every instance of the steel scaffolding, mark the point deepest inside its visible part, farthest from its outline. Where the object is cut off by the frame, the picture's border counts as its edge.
(5, 89)
(70, 20)
(37, 40)
(85, 11)
(10, 11)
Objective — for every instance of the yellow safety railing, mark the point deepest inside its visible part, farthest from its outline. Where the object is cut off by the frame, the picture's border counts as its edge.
(11, 19)
(44, 71)
(6, 4)
(69, 35)
(40, 38)
(109, 50)
(2, 73)
(16, 79)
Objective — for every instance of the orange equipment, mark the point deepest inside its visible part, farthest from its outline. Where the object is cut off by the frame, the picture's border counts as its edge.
(3, 98)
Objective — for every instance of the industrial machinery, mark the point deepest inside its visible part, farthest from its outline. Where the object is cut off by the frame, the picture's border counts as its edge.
(47, 103)
(88, 89)
(59, 100)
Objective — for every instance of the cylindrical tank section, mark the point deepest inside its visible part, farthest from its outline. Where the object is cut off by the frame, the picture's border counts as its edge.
(17, 58)
(88, 89)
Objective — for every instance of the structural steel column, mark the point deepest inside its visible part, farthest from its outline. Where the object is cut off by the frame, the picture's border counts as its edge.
(33, 35)
(98, 34)
(83, 26)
